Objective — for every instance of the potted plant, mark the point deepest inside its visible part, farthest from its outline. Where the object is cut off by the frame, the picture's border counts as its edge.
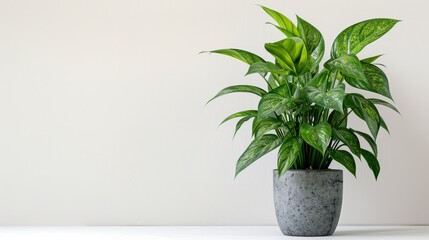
(304, 111)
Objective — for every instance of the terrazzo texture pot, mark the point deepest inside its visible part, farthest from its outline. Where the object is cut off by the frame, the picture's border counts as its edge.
(308, 202)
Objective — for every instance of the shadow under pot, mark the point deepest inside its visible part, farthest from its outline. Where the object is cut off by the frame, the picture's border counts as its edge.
(308, 202)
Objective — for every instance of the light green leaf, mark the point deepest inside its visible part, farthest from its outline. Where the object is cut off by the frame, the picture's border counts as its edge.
(313, 41)
(240, 88)
(371, 59)
(290, 53)
(347, 137)
(265, 67)
(365, 110)
(349, 65)
(372, 161)
(242, 55)
(331, 99)
(283, 22)
(354, 38)
(287, 155)
(369, 139)
(258, 148)
(376, 80)
(344, 158)
(283, 30)
(246, 113)
(383, 103)
(316, 136)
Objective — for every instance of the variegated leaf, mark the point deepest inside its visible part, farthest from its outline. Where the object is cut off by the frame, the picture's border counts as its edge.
(354, 38)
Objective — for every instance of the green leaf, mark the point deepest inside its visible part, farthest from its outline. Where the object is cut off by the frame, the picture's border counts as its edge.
(333, 98)
(258, 148)
(287, 155)
(320, 80)
(242, 55)
(246, 113)
(290, 53)
(365, 110)
(383, 124)
(349, 65)
(376, 80)
(283, 22)
(369, 139)
(316, 136)
(354, 38)
(264, 68)
(282, 90)
(241, 122)
(313, 41)
(347, 137)
(272, 82)
(372, 161)
(267, 124)
(284, 31)
(383, 103)
(337, 119)
(344, 158)
(371, 59)
(272, 102)
(240, 88)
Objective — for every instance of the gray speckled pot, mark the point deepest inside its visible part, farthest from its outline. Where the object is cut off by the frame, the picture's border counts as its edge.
(308, 202)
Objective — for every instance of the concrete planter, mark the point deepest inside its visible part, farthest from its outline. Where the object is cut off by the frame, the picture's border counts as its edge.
(308, 202)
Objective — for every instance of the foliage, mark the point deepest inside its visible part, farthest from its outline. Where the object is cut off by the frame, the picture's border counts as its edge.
(305, 108)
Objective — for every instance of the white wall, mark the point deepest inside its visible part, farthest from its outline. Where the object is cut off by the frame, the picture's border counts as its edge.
(103, 119)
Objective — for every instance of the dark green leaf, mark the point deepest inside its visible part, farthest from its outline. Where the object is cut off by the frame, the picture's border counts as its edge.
(313, 41)
(344, 158)
(239, 54)
(287, 155)
(354, 38)
(372, 162)
(240, 88)
(258, 148)
(337, 119)
(376, 80)
(349, 65)
(289, 28)
(331, 99)
(240, 123)
(247, 113)
(290, 53)
(347, 137)
(369, 139)
(316, 136)
(365, 110)
(264, 68)
(384, 103)
(383, 124)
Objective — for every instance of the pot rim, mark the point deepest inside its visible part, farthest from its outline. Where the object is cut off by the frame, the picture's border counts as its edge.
(313, 170)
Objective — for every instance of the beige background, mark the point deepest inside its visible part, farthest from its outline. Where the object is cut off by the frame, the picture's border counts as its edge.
(103, 119)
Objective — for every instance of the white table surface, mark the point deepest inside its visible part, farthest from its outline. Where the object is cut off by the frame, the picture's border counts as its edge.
(204, 233)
